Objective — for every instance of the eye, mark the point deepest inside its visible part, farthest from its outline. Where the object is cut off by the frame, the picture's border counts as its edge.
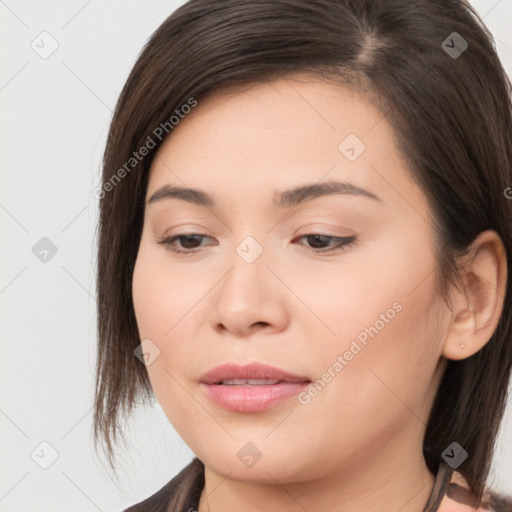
(317, 240)
(188, 242)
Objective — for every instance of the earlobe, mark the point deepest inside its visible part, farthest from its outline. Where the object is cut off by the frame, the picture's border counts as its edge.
(458, 344)
(478, 305)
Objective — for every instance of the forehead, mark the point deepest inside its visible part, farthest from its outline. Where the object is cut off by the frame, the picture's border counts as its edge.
(271, 136)
(295, 108)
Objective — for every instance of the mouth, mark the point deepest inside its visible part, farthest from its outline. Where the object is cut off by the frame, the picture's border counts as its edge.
(249, 382)
(251, 388)
(254, 374)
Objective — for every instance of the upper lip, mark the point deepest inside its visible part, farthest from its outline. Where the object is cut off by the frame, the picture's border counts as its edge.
(249, 371)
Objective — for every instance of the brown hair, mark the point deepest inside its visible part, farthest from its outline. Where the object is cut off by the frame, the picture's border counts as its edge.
(449, 105)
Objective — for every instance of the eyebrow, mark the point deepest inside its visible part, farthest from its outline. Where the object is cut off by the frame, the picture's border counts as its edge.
(285, 199)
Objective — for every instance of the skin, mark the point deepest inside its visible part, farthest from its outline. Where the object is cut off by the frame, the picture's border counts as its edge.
(358, 443)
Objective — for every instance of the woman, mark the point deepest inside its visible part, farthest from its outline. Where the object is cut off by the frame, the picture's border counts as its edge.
(304, 242)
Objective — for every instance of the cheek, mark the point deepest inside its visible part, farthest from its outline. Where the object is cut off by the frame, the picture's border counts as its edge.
(164, 301)
(375, 378)
(382, 317)
(388, 282)
(163, 296)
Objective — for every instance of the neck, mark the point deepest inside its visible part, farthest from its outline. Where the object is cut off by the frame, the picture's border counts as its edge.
(391, 477)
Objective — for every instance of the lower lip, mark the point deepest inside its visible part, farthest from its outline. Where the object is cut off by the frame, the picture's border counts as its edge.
(252, 398)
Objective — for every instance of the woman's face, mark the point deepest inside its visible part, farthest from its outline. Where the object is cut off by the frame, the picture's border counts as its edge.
(360, 320)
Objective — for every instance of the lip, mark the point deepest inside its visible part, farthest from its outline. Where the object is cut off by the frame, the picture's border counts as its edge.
(247, 398)
(249, 371)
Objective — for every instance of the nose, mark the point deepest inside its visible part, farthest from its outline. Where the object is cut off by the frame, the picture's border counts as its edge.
(249, 298)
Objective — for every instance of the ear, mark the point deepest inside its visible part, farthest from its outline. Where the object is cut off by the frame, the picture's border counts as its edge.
(478, 305)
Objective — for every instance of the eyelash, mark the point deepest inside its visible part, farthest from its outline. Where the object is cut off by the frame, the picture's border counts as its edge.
(343, 242)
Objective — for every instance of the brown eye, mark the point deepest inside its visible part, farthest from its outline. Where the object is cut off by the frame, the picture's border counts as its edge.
(318, 242)
(188, 242)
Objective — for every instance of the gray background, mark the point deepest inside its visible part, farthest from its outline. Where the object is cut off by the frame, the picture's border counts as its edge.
(55, 116)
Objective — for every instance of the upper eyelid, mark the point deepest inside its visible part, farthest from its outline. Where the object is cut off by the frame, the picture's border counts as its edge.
(349, 241)
(311, 233)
